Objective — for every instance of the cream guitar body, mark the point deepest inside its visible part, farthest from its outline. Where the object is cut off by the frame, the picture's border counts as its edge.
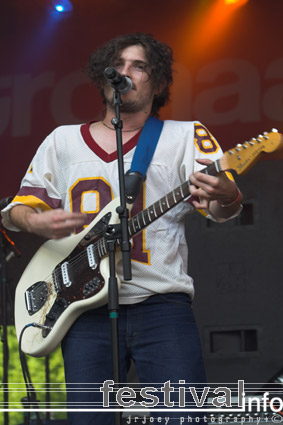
(61, 281)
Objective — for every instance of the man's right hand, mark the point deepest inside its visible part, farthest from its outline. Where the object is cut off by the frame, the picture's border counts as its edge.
(51, 224)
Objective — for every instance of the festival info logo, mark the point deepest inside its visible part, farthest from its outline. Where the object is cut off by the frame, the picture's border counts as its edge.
(192, 398)
(238, 402)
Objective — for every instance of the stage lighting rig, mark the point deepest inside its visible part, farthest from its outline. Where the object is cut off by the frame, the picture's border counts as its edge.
(62, 6)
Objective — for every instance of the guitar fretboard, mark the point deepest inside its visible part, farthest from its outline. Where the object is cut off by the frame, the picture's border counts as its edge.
(156, 210)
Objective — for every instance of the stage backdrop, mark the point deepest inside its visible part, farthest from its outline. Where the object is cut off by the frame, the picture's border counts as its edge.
(228, 75)
(228, 69)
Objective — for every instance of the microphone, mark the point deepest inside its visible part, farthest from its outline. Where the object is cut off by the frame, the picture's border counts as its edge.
(118, 81)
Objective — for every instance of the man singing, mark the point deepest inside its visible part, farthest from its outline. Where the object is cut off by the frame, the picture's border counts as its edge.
(74, 175)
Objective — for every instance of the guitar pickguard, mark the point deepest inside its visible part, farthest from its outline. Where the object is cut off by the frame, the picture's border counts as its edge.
(75, 278)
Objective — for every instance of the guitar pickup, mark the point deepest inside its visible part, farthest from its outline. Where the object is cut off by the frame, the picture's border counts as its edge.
(65, 274)
(91, 257)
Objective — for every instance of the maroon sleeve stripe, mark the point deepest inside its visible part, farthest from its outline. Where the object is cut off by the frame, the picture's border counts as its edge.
(41, 194)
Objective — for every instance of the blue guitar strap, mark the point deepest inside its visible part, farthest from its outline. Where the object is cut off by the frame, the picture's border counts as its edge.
(146, 145)
(142, 157)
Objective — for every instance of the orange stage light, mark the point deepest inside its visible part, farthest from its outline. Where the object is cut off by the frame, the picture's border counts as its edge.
(208, 27)
(238, 2)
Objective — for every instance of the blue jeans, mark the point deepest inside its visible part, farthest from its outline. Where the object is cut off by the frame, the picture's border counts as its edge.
(159, 334)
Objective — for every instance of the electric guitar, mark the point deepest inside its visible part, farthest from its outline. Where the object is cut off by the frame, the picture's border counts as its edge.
(68, 276)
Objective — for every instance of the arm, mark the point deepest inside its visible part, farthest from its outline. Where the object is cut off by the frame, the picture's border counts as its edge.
(51, 224)
(218, 195)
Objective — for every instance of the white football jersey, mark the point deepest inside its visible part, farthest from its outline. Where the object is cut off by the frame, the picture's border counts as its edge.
(71, 171)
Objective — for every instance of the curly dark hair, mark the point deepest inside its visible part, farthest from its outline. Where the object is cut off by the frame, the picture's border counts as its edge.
(159, 56)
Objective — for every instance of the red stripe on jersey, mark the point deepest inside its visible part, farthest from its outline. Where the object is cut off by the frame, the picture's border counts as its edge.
(106, 157)
(41, 194)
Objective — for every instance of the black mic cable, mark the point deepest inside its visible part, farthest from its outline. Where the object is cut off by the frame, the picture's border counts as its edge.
(31, 396)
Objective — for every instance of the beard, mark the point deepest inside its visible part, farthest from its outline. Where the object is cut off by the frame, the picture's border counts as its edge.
(128, 105)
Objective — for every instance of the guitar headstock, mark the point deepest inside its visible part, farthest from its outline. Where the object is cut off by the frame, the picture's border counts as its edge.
(243, 156)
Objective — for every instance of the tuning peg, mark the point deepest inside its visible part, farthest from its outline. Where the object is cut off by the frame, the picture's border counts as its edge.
(238, 147)
(258, 139)
(274, 130)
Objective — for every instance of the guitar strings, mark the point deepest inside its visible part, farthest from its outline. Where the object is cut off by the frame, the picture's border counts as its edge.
(81, 258)
(99, 249)
(100, 246)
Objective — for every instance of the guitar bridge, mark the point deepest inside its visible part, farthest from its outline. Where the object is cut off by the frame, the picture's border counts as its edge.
(36, 296)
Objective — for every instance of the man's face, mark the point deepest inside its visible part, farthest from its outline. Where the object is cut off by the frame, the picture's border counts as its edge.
(132, 63)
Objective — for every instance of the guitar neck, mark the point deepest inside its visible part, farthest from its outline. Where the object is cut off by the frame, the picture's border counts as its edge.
(239, 159)
(156, 210)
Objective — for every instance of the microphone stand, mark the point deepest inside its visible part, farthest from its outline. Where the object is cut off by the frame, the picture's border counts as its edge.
(113, 233)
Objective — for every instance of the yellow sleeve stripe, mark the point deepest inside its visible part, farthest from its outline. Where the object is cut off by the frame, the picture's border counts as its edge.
(229, 175)
(202, 212)
(32, 201)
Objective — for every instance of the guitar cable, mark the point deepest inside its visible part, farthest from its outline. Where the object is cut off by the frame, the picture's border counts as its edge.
(31, 395)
